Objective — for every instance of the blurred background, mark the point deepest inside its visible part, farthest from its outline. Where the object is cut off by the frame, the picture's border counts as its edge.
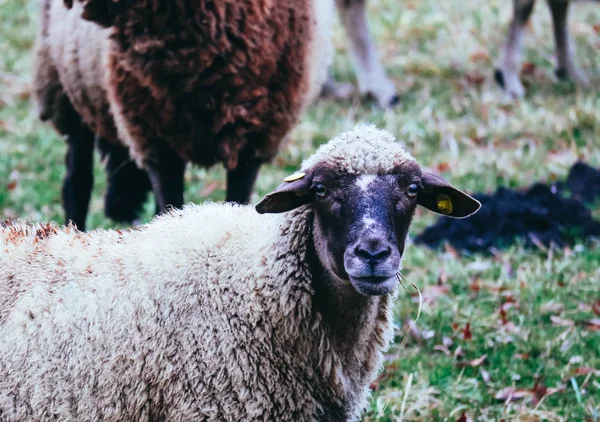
(508, 335)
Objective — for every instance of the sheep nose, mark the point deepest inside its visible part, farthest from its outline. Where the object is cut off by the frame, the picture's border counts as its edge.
(373, 250)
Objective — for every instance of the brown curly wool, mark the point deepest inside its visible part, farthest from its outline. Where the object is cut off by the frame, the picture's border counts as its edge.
(208, 78)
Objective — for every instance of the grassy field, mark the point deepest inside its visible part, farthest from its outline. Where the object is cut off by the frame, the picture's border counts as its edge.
(511, 336)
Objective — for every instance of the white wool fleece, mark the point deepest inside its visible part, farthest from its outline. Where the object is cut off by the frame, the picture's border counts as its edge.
(363, 150)
(207, 313)
(117, 326)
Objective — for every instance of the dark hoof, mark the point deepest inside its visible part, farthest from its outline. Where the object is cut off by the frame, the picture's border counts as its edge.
(395, 101)
(499, 78)
(562, 74)
(369, 98)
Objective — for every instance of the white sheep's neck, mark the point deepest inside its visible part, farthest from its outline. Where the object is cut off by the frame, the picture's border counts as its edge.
(357, 328)
(341, 333)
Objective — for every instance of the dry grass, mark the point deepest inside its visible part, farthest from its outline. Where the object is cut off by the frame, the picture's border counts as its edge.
(526, 310)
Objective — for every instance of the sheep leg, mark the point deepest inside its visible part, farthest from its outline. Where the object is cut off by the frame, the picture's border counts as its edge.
(128, 185)
(372, 79)
(240, 180)
(166, 173)
(507, 74)
(566, 69)
(79, 178)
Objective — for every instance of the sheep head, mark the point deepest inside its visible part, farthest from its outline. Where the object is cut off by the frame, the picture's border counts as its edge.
(362, 215)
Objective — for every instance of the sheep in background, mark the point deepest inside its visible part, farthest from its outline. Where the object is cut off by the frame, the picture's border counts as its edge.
(372, 78)
(176, 82)
(216, 312)
(507, 74)
(128, 186)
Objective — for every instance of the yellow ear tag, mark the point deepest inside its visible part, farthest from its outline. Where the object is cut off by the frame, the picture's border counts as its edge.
(444, 204)
(294, 176)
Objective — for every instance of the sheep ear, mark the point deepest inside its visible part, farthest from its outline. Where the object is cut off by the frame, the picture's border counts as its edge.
(293, 192)
(440, 196)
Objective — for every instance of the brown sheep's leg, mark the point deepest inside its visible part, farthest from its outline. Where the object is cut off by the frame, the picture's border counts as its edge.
(566, 67)
(240, 180)
(79, 179)
(166, 172)
(128, 185)
(507, 73)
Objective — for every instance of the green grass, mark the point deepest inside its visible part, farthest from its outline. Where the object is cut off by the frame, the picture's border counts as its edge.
(526, 309)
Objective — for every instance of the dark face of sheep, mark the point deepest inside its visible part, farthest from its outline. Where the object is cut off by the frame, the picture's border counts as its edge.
(361, 221)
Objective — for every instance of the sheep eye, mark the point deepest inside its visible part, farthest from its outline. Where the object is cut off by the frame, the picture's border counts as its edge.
(320, 190)
(413, 189)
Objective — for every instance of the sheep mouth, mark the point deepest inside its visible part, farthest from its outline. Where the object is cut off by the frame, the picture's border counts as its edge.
(374, 285)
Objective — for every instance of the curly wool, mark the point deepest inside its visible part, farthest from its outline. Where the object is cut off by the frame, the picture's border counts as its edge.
(113, 326)
(363, 150)
(192, 316)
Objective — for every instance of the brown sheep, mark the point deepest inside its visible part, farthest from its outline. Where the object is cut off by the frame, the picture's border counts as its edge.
(174, 82)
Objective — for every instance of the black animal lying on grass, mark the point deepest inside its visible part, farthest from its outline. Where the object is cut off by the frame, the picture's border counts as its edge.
(540, 215)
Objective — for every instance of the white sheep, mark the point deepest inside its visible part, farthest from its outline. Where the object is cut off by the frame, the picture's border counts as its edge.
(171, 82)
(216, 312)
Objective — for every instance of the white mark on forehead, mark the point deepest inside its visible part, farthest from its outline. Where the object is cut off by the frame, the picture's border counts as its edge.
(364, 181)
(368, 222)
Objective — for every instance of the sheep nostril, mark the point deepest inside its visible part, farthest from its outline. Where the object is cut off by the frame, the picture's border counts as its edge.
(373, 253)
